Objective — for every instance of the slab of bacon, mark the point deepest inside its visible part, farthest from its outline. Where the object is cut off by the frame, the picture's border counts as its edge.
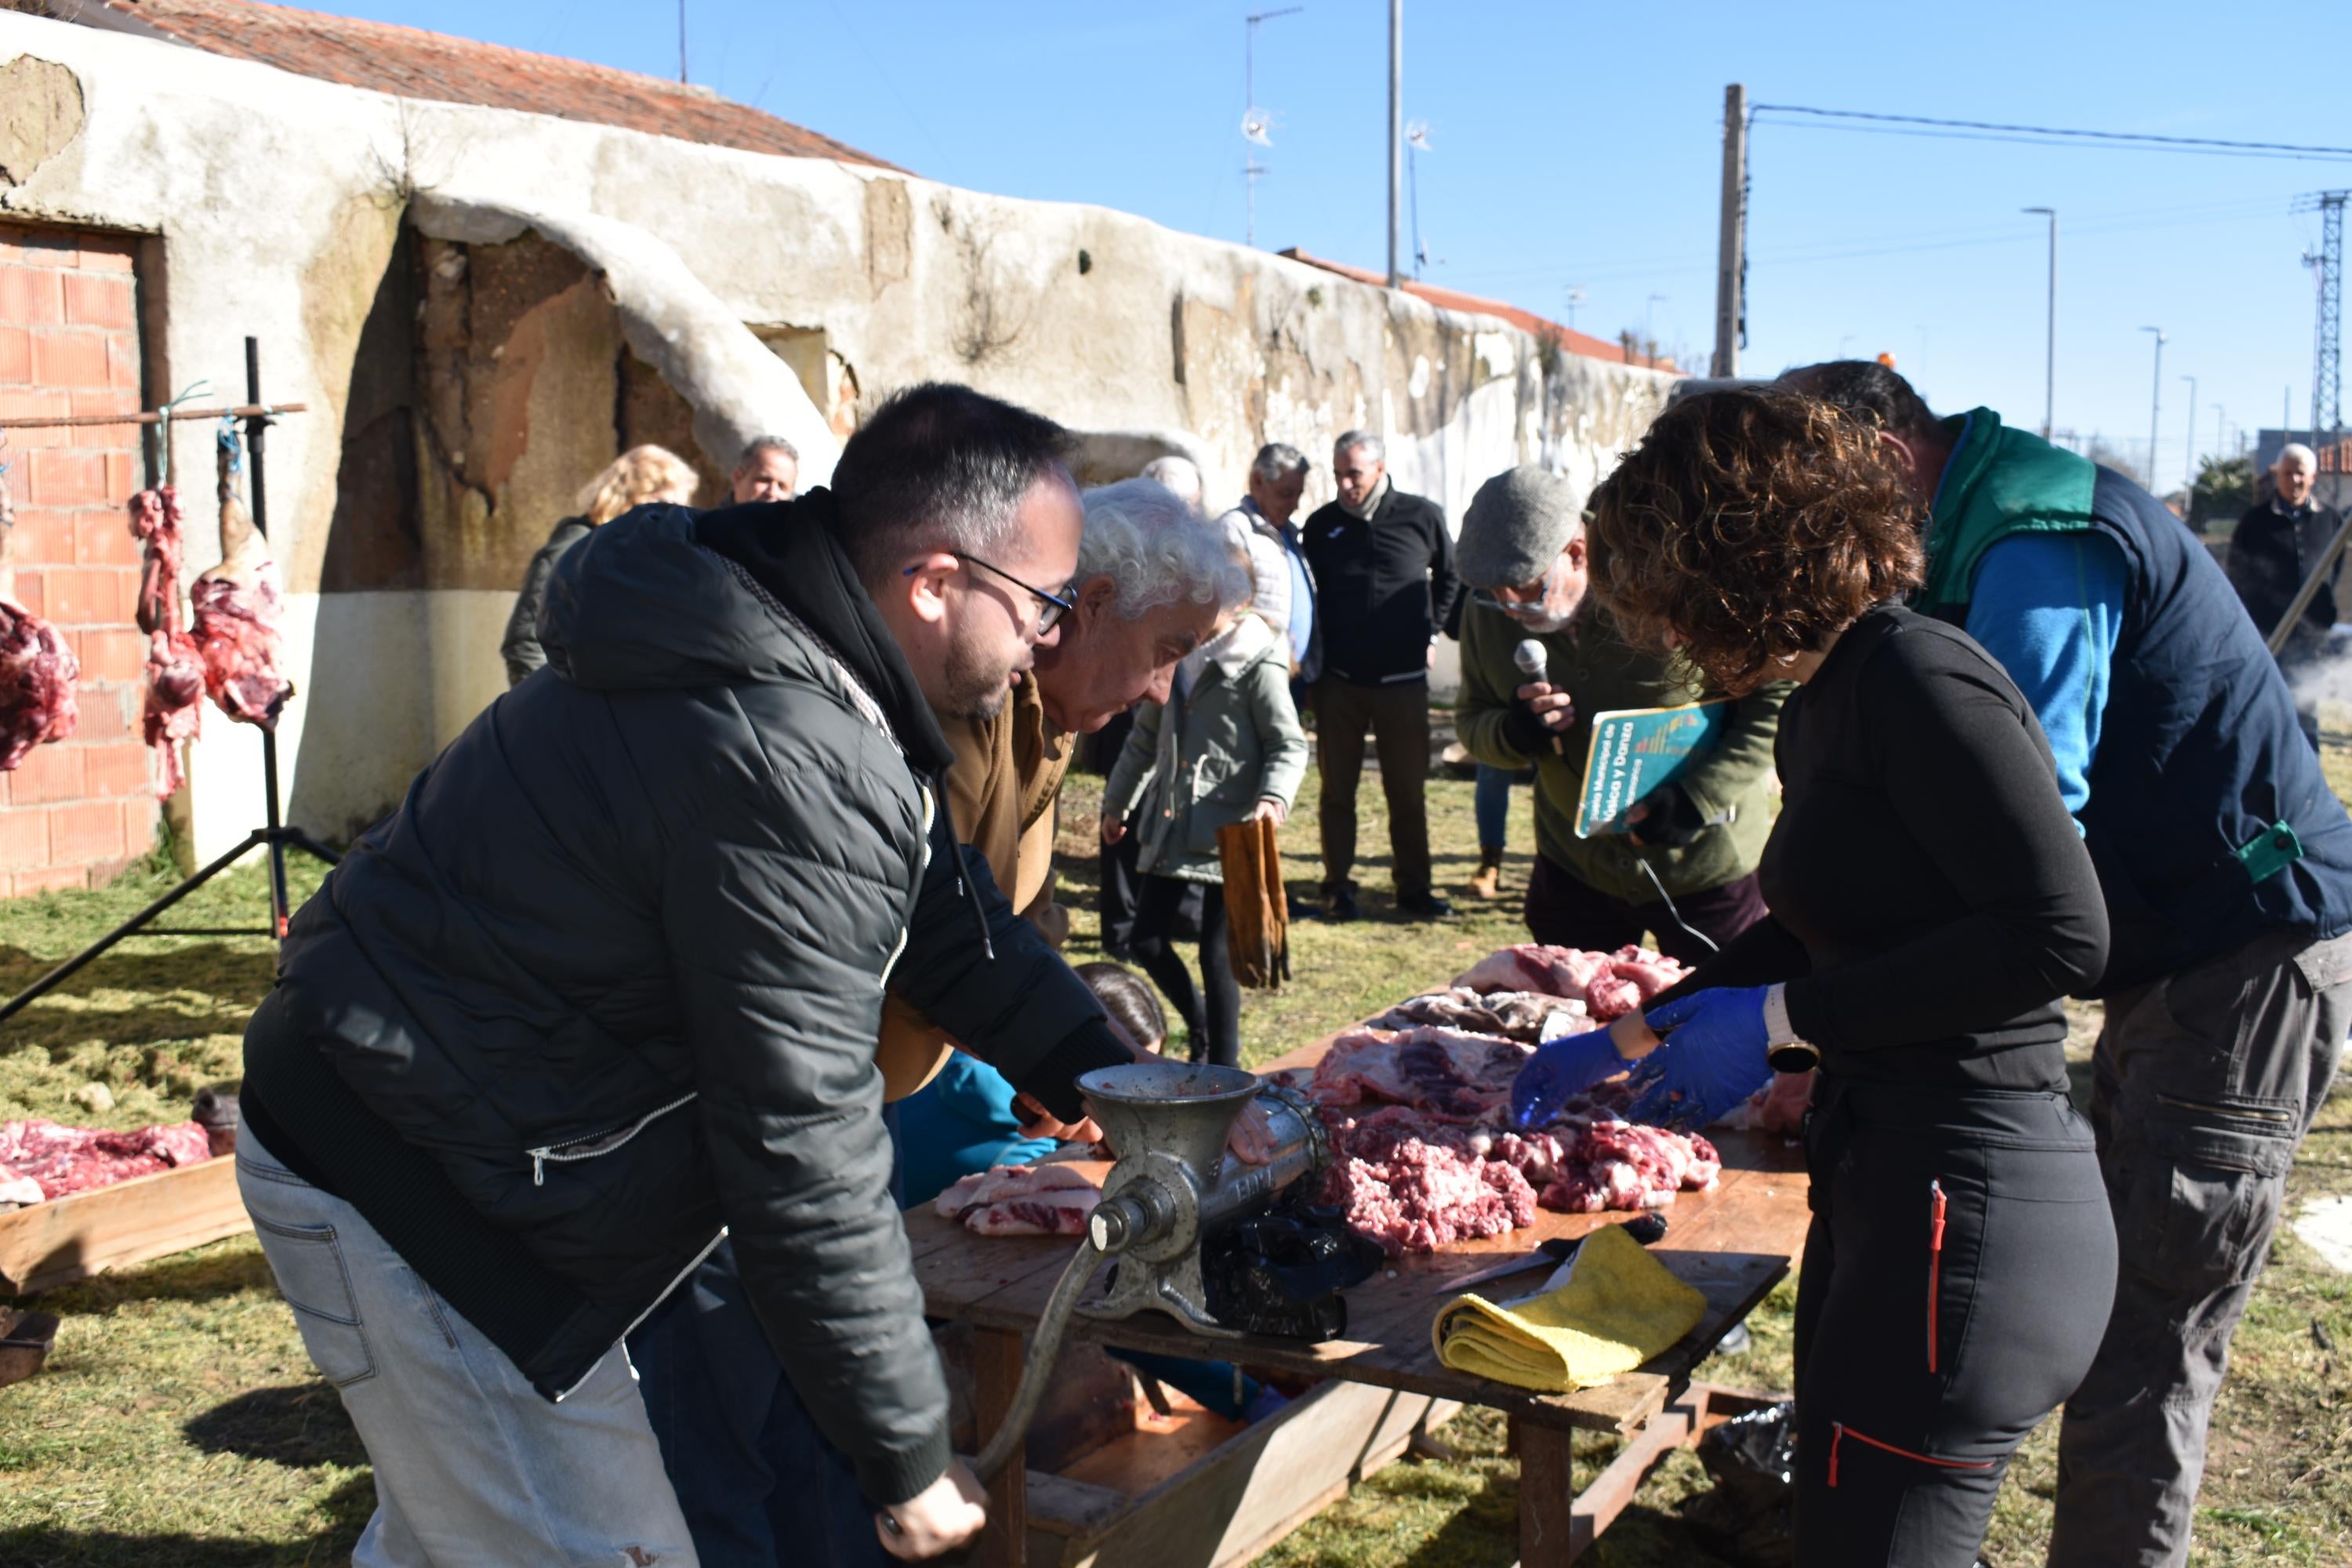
(1022, 1200)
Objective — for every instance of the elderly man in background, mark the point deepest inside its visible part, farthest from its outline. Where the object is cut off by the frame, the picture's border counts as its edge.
(1181, 475)
(768, 469)
(2278, 542)
(1152, 578)
(1283, 588)
(1384, 567)
(1687, 872)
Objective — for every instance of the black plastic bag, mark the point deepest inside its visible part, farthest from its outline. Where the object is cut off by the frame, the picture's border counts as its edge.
(1748, 1516)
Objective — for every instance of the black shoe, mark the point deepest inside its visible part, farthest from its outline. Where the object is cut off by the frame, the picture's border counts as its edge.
(1428, 907)
(1343, 906)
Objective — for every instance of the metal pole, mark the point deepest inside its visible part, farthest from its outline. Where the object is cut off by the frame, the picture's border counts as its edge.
(681, 41)
(2154, 403)
(2050, 335)
(255, 423)
(2189, 474)
(1396, 141)
(1731, 242)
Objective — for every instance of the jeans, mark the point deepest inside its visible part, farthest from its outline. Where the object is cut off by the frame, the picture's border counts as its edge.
(1490, 804)
(472, 1466)
(2203, 1083)
(758, 1484)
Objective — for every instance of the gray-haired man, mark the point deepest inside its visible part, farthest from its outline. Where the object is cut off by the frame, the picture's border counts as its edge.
(768, 469)
(1383, 569)
(1283, 589)
(2277, 543)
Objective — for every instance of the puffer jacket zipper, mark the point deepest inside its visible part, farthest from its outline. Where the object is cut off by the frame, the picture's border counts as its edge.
(604, 1142)
(1840, 1431)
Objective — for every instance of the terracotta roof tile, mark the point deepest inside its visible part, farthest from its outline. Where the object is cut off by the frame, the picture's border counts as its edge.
(412, 63)
(1574, 341)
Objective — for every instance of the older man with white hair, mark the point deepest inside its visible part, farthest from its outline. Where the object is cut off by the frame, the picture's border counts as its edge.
(2278, 542)
(1383, 566)
(1283, 589)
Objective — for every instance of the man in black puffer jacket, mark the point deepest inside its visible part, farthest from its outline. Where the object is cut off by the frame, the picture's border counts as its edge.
(610, 980)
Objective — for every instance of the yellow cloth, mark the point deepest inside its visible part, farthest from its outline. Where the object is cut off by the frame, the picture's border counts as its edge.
(1619, 1308)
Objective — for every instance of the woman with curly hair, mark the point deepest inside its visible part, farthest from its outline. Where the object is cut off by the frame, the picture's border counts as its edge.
(1931, 903)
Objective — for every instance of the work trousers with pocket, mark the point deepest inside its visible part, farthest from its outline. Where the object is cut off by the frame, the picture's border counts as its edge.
(1398, 717)
(2204, 1082)
(1956, 1277)
(472, 1467)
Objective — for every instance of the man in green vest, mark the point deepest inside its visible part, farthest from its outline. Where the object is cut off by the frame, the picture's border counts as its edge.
(1687, 872)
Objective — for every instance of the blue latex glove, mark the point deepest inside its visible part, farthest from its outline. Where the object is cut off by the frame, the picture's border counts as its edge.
(1713, 1058)
(1559, 1070)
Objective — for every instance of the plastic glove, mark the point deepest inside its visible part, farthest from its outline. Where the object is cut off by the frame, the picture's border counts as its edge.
(1713, 1059)
(1559, 1070)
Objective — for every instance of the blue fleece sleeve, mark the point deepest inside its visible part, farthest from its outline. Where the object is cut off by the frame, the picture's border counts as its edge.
(2050, 607)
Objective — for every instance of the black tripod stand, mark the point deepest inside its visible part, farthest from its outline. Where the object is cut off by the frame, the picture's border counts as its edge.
(274, 835)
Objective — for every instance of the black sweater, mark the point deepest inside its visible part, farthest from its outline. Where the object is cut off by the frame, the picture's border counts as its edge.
(1931, 899)
(1382, 588)
(2271, 554)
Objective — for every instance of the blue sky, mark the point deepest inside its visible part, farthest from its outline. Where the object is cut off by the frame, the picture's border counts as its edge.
(1580, 146)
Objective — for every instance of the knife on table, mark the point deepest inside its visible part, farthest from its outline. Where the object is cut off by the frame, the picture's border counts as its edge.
(1547, 1254)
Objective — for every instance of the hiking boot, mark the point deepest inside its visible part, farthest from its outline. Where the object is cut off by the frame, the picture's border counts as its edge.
(1487, 882)
(1424, 907)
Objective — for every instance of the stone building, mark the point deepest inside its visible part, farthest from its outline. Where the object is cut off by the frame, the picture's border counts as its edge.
(486, 271)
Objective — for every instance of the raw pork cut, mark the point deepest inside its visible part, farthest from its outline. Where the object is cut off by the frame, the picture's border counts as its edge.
(175, 665)
(237, 610)
(1022, 1200)
(1443, 1070)
(38, 672)
(1627, 1165)
(1529, 1018)
(1610, 985)
(1414, 1184)
(65, 1160)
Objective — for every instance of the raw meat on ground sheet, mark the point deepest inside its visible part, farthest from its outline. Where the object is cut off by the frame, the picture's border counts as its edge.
(63, 1160)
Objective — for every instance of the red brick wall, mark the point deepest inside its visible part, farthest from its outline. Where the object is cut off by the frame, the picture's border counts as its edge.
(73, 814)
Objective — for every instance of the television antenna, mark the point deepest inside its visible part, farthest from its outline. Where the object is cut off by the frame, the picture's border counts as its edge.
(1416, 142)
(1256, 122)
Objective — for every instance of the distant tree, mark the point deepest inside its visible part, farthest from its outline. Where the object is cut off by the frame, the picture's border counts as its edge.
(2224, 489)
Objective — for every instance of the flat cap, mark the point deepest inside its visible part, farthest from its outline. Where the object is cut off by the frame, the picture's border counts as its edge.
(1517, 524)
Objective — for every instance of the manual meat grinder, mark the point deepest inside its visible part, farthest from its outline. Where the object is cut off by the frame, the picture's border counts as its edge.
(1173, 1188)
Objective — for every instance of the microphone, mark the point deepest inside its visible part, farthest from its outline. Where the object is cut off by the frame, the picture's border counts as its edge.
(1530, 658)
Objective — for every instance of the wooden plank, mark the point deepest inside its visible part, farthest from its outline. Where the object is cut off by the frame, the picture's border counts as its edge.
(56, 1243)
(996, 1377)
(1546, 1496)
(1239, 1500)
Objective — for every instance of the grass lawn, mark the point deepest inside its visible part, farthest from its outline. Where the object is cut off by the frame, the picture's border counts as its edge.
(179, 1425)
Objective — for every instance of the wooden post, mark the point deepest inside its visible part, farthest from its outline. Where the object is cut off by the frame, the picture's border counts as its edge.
(1547, 1497)
(996, 1375)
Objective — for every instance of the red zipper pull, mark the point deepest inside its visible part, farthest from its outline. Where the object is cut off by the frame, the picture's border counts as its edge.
(1837, 1435)
(1935, 1263)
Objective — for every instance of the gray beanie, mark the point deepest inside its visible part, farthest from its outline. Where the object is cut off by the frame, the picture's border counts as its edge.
(1517, 524)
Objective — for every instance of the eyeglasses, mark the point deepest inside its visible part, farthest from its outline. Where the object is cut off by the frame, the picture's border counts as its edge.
(1050, 607)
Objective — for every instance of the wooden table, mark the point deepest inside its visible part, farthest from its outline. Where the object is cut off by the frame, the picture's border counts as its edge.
(1734, 1243)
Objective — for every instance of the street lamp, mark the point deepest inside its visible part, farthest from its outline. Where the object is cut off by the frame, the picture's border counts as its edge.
(2050, 335)
(2190, 474)
(2155, 402)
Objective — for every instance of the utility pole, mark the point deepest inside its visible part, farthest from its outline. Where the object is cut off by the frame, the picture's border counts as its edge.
(2191, 442)
(1253, 128)
(1731, 246)
(2050, 335)
(1396, 142)
(2154, 403)
(2327, 350)
(681, 41)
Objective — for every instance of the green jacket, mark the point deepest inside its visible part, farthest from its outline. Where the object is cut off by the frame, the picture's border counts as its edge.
(1603, 674)
(1227, 738)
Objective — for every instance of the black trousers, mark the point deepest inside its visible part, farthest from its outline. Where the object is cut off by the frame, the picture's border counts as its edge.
(1564, 912)
(1214, 1023)
(1925, 1354)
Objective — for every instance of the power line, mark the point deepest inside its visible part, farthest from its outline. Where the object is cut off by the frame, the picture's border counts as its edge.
(2045, 135)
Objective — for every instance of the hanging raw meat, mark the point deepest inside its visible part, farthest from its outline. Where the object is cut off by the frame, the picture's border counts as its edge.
(176, 667)
(37, 671)
(237, 609)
